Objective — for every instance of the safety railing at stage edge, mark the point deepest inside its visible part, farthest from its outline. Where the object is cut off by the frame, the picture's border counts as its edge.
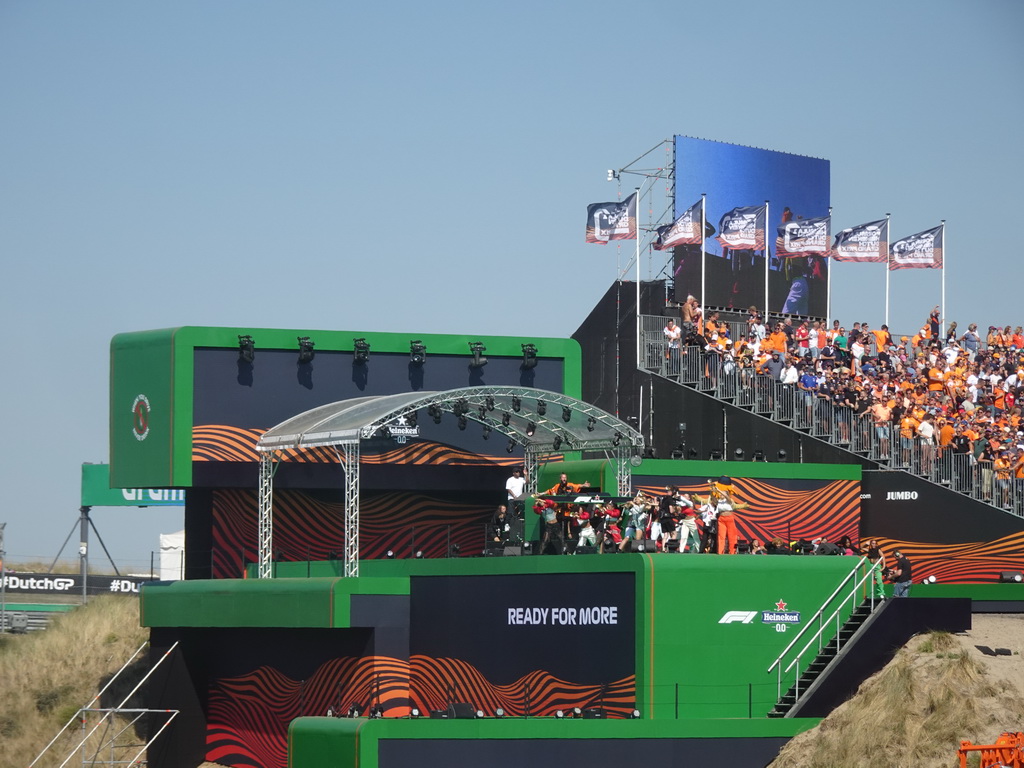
(849, 427)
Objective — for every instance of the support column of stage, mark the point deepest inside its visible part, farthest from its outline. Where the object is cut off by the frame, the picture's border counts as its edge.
(530, 469)
(351, 461)
(624, 472)
(266, 519)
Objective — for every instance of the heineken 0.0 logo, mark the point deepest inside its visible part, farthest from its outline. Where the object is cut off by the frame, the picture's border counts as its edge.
(140, 417)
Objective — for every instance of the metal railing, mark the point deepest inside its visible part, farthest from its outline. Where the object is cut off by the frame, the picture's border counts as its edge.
(105, 736)
(850, 428)
(834, 621)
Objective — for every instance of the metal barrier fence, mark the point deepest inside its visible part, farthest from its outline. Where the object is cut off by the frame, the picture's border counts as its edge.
(839, 425)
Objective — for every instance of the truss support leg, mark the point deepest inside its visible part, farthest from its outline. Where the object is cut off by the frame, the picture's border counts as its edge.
(266, 516)
(351, 458)
(530, 464)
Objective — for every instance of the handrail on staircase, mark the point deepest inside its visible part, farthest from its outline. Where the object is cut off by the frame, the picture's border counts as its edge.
(822, 624)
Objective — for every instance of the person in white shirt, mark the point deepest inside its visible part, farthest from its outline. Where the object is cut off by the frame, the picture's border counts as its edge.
(673, 336)
(790, 374)
(516, 488)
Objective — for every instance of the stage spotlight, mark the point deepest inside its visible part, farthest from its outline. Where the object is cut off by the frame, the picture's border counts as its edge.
(929, 580)
(246, 349)
(527, 547)
(531, 428)
(577, 712)
(390, 554)
(489, 402)
(635, 714)
(434, 412)
(506, 419)
(591, 423)
(353, 710)
(557, 443)
(617, 439)
(419, 554)
(414, 712)
(454, 549)
(517, 403)
(693, 454)
(411, 418)
(738, 453)
(481, 412)
(462, 421)
(306, 352)
(499, 712)
(782, 455)
(511, 446)
(559, 714)
(759, 455)
(487, 431)
(384, 431)
(542, 407)
(360, 351)
(715, 455)
(1011, 577)
(478, 350)
(676, 454)
(376, 712)
(566, 413)
(461, 406)
(529, 355)
(417, 352)
(479, 714)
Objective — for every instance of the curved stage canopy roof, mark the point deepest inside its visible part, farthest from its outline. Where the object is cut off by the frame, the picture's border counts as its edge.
(538, 420)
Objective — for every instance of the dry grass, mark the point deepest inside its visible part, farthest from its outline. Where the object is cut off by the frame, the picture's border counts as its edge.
(913, 712)
(47, 676)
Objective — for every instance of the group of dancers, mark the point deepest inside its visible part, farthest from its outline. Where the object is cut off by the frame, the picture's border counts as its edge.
(675, 522)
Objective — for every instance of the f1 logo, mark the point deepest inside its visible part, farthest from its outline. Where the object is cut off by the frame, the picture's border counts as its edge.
(742, 617)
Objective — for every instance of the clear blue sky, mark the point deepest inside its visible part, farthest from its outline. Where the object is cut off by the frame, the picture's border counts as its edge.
(425, 167)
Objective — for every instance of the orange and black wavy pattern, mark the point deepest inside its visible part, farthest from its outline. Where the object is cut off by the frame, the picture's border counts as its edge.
(216, 442)
(832, 511)
(307, 528)
(976, 562)
(435, 681)
(248, 719)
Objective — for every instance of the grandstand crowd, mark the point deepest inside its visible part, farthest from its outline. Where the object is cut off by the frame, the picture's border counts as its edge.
(939, 393)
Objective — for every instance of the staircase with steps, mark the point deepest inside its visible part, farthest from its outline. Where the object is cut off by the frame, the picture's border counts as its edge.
(822, 661)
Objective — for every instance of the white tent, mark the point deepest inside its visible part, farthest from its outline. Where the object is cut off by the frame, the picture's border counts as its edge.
(172, 556)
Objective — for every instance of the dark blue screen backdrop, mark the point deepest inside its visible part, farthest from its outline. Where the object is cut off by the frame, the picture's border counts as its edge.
(734, 176)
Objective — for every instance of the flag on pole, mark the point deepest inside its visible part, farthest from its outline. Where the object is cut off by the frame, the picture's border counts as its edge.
(805, 237)
(866, 242)
(612, 221)
(743, 228)
(684, 231)
(921, 251)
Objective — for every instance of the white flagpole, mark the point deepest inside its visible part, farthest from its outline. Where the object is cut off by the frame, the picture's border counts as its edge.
(828, 277)
(703, 256)
(888, 257)
(767, 259)
(638, 337)
(942, 325)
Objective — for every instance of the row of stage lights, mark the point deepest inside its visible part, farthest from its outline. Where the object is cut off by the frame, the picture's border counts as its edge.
(717, 454)
(461, 408)
(361, 352)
